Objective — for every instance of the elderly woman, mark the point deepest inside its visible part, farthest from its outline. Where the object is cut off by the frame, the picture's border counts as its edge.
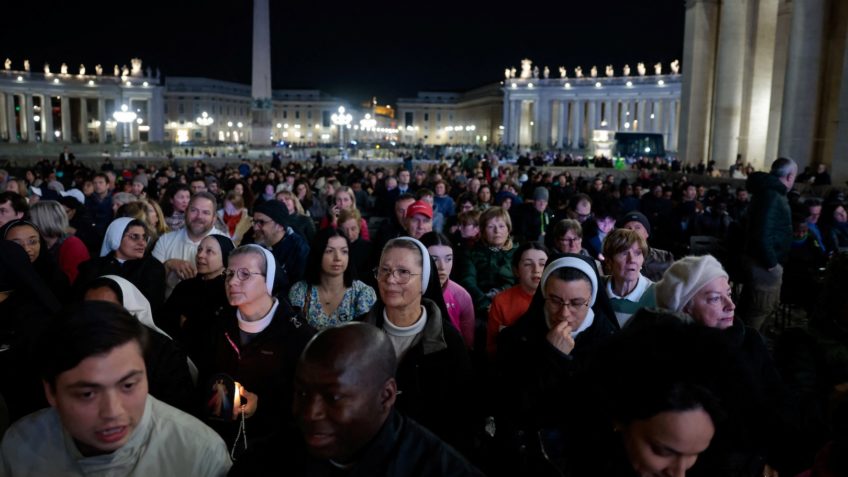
(183, 309)
(257, 344)
(67, 250)
(27, 235)
(486, 269)
(539, 355)
(566, 236)
(629, 291)
(329, 295)
(124, 253)
(434, 369)
(699, 289)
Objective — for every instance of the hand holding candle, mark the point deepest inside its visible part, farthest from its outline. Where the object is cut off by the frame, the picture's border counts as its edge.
(249, 399)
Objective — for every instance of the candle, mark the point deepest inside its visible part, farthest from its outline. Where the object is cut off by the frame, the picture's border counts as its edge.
(237, 398)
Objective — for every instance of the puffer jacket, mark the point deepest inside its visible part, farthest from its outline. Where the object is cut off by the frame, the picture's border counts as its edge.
(769, 236)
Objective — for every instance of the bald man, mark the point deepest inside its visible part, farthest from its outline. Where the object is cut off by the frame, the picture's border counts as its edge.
(344, 400)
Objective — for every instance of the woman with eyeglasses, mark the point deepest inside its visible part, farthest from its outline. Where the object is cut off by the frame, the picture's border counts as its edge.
(540, 355)
(124, 253)
(183, 309)
(27, 235)
(329, 295)
(68, 251)
(256, 343)
(434, 369)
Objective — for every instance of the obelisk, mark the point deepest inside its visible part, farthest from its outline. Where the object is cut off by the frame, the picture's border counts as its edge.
(260, 91)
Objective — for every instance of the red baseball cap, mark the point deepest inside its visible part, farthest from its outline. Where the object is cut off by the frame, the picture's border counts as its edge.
(420, 207)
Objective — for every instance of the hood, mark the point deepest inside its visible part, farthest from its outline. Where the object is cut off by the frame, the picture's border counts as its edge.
(763, 181)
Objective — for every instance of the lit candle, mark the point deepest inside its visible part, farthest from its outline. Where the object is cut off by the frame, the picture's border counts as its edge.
(237, 399)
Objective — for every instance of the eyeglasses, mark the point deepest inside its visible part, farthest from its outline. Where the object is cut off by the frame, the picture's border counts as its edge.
(24, 242)
(260, 222)
(137, 237)
(401, 276)
(573, 306)
(243, 274)
(570, 241)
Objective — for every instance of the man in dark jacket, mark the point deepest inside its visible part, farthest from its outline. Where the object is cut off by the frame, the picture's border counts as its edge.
(360, 434)
(768, 240)
(289, 249)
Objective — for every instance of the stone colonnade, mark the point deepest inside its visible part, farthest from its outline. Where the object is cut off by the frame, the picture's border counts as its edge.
(563, 113)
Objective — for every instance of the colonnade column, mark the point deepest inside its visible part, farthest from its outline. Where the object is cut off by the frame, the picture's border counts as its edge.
(643, 105)
(28, 119)
(10, 115)
(506, 119)
(101, 116)
(728, 82)
(699, 51)
(3, 120)
(591, 120)
(672, 125)
(47, 118)
(608, 115)
(66, 119)
(576, 123)
(83, 118)
(562, 125)
(801, 94)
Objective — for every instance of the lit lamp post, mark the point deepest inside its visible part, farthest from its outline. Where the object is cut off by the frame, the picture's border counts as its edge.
(205, 120)
(367, 124)
(126, 117)
(342, 120)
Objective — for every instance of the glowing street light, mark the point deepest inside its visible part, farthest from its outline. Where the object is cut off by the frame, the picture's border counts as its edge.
(205, 120)
(126, 117)
(341, 119)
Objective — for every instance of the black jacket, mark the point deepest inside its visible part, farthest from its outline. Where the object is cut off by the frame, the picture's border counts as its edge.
(434, 378)
(147, 274)
(401, 448)
(264, 366)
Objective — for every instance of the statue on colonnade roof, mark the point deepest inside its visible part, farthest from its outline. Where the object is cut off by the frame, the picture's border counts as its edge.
(526, 68)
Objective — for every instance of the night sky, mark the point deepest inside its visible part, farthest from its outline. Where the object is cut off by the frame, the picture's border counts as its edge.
(353, 50)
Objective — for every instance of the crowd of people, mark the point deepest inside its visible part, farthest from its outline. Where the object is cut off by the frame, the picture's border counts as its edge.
(465, 317)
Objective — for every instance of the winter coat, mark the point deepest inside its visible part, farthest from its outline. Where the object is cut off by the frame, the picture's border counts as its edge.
(434, 378)
(483, 269)
(147, 274)
(769, 234)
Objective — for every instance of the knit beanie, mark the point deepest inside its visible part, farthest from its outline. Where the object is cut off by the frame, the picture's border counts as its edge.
(634, 216)
(275, 210)
(685, 278)
(540, 193)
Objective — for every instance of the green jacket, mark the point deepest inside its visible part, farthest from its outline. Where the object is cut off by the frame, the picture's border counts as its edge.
(482, 269)
(769, 234)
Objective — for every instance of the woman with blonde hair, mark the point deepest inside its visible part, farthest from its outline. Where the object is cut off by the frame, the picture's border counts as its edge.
(298, 218)
(344, 200)
(486, 269)
(155, 217)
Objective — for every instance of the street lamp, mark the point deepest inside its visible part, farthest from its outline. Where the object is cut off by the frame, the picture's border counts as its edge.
(126, 117)
(205, 120)
(341, 119)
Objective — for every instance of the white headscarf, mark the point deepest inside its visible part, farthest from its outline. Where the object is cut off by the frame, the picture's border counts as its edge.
(138, 306)
(583, 266)
(425, 261)
(136, 303)
(270, 266)
(114, 235)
